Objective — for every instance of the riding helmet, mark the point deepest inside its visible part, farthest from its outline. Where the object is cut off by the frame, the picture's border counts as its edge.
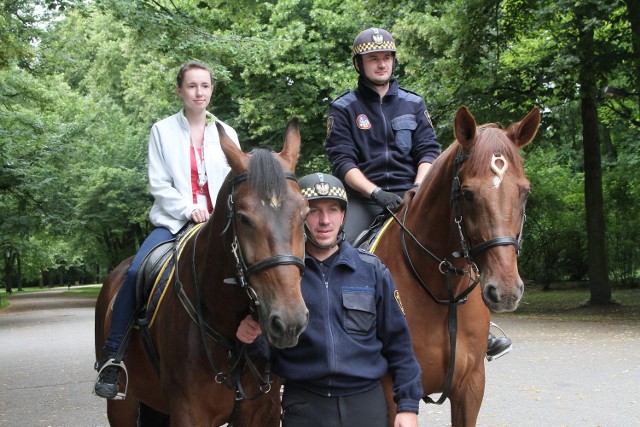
(373, 40)
(323, 186)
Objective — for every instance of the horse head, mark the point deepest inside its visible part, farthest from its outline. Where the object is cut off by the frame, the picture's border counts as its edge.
(489, 196)
(265, 211)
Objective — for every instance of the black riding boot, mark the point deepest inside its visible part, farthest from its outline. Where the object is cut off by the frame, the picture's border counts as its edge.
(108, 377)
(498, 346)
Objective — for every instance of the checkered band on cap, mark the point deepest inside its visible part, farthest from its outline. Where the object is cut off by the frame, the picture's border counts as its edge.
(373, 40)
(322, 186)
(320, 191)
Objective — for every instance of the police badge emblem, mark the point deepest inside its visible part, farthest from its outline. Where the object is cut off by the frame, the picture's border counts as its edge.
(377, 38)
(396, 295)
(322, 188)
(329, 126)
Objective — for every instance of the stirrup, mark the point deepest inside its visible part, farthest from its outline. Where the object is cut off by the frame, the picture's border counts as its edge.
(121, 395)
(503, 352)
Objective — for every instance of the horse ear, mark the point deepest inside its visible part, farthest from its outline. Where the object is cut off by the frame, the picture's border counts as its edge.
(464, 127)
(237, 159)
(525, 130)
(291, 149)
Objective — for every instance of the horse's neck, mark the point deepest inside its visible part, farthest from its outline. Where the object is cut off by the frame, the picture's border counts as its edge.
(430, 213)
(431, 220)
(215, 264)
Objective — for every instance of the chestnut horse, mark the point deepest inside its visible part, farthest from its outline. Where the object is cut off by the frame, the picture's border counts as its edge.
(246, 258)
(462, 227)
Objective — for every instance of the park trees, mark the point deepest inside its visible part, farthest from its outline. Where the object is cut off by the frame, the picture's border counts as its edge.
(76, 106)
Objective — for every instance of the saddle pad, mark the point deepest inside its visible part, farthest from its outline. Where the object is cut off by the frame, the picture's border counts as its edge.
(374, 242)
(165, 275)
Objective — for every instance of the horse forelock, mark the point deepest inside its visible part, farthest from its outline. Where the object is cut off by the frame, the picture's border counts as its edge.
(491, 141)
(266, 176)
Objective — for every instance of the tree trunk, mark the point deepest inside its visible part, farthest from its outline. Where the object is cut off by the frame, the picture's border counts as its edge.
(633, 10)
(8, 271)
(19, 271)
(597, 254)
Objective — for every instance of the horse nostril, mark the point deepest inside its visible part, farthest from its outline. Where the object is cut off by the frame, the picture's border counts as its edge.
(278, 327)
(491, 293)
(281, 329)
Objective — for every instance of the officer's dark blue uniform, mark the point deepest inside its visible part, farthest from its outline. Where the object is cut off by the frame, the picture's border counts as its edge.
(356, 333)
(378, 135)
(386, 138)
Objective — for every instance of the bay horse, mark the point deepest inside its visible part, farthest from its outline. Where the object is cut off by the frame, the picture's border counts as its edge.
(462, 227)
(248, 258)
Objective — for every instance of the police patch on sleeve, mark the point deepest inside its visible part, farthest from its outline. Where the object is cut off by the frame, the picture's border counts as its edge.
(396, 295)
(426, 114)
(329, 126)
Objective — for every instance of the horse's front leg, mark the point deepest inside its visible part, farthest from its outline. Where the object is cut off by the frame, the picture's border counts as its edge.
(200, 402)
(466, 398)
(263, 411)
(123, 413)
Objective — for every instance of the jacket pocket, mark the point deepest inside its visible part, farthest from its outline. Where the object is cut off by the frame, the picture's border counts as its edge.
(403, 127)
(359, 307)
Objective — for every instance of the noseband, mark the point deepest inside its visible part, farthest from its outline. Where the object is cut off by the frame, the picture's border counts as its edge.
(243, 270)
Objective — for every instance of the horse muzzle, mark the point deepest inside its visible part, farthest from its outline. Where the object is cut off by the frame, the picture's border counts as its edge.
(502, 297)
(282, 329)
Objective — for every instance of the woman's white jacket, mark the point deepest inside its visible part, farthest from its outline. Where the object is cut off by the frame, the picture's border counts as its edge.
(170, 168)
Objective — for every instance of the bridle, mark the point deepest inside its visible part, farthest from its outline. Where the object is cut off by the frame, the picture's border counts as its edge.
(468, 253)
(243, 270)
(447, 268)
(236, 353)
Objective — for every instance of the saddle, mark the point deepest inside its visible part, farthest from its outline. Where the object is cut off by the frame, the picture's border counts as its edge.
(149, 271)
(368, 239)
(155, 272)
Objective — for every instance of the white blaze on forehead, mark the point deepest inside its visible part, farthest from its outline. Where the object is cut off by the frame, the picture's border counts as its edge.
(499, 166)
(275, 202)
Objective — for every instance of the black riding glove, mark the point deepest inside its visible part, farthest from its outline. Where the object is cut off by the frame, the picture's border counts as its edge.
(385, 198)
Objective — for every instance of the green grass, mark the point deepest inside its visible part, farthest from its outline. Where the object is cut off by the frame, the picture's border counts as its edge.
(570, 302)
(90, 291)
(87, 291)
(563, 301)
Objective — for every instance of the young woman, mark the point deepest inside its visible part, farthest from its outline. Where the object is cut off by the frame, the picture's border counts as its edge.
(186, 169)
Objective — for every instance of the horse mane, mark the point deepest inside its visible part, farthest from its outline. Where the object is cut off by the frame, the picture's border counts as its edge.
(265, 175)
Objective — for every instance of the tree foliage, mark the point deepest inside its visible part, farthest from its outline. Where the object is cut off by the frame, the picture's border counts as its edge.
(82, 83)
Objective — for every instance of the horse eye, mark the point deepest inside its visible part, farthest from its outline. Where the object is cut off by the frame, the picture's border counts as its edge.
(468, 195)
(244, 220)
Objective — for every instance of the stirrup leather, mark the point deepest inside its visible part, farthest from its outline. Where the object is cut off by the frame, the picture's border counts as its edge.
(503, 352)
(113, 362)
